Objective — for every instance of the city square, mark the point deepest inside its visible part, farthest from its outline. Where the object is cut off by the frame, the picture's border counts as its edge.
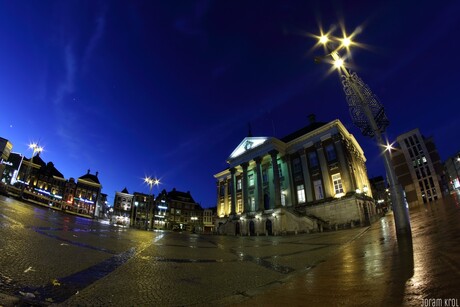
(51, 259)
(214, 153)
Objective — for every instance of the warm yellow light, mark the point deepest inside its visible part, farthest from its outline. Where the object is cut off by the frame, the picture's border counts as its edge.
(346, 42)
(156, 181)
(323, 39)
(338, 63)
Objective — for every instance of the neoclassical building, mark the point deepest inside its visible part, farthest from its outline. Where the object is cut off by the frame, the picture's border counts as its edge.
(311, 179)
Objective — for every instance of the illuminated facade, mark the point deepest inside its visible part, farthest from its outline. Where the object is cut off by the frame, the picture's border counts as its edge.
(5, 150)
(87, 192)
(418, 167)
(11, 168)
(313, 178)
(122, 206)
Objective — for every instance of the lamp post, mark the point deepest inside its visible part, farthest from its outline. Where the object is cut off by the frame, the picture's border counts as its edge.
(151, 182)
(368, 115)
(35, 149)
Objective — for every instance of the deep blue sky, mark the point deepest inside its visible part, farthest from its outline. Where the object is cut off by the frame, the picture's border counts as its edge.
(167, 88)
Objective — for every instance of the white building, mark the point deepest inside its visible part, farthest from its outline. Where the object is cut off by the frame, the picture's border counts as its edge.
(313, 178)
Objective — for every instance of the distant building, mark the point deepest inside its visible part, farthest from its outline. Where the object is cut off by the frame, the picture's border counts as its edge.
(142, 211)
(102, 206)
(381, 194)
(418, 167)
(5, 150)
(161, 211)
(69, 192)
(122, 206)
(452, 167)
(11, 168)
(315, 177)
(87, 193)
(209, 220)
(183, 212)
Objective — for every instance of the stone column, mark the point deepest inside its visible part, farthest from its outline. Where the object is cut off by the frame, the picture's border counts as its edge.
(245, 186)
(289, 181)
(219, 207)
(306, 176)
(324, 170)
(233, 185)
(226, 205)
(345, 174)
(259, 184)
(276, 178)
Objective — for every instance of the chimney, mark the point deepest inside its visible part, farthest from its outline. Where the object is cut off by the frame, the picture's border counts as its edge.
(312, 118)
(97, 173)
(88, 171)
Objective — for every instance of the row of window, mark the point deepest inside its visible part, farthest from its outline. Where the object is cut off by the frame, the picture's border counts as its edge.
(318, 189)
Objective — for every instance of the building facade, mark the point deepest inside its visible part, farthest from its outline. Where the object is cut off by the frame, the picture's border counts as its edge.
(122, 206)
(418, 167)
(5, 150)
(209, 220)
(452, 167)
(313, 178)
(181, 211)
(11, 168)
(142, 211)
(86, 194)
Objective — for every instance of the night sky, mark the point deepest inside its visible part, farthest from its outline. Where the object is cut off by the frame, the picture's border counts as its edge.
(167, 88)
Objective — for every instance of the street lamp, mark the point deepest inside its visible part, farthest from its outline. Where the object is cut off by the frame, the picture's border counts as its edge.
(151, 182)
(368, 115)
(35, 150)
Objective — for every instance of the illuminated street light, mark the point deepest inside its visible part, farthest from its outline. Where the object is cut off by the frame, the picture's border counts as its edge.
(368, 115)
(323, 39)
(346, 42)
(151, 182)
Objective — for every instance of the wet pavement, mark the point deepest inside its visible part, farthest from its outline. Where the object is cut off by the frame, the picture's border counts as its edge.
(377, 270)
(48, 258)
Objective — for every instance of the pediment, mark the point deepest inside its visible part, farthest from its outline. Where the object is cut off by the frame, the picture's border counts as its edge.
(247, 144)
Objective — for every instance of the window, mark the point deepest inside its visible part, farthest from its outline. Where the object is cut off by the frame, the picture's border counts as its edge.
(251, 180)
(280, 170)
(300, 194)
(330, 153)
(313, 159)
(319, 194)
(283, 199)
(238, 184)
(264, 176)
(252, 203)
(239, 206)
(296, 165)
(337, 181)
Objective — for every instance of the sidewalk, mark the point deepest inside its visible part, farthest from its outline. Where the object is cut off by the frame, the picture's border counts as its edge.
(376, 270)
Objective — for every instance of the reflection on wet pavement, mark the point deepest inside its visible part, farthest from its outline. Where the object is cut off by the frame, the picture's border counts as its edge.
(377, 269)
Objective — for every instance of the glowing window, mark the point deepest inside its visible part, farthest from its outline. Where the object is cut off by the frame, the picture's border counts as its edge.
(337, 181)
(300, 193)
